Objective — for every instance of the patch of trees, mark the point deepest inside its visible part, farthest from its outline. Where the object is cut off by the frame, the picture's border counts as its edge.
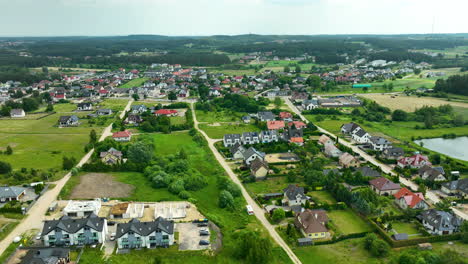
(376, 246)
(428, 257)
(235, 102)
(400, 55)
(163, 123)
(457, 84)
(252, 247)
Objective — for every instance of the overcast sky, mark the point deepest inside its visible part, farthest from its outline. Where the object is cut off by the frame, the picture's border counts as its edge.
(230, 17)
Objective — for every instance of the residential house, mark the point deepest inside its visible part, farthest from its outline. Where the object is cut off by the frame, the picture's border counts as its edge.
(361, 136)
(230, 140)
(393, 153)
(405, 199)
(111, 157)
(46, 256)
(347, 160)
(440, 222)
(82, 208)
(251, 154)
(266, 116)
(384, 186)
(139, 109)
(122, 136)
(104, 112)
(310, 104)
(294, 195)
(166, 112)
(350, 128)
(84, 107)
(17, 113)
(67, 121)
(237, 151)
(250, 138)
(69, 232)
(432, 174)
(286, 116)
(259, 169)
(275, 125)
(379, 143)
(246, 119)
(292, 134)
(312, 223)
(269, 136)
(11, 193)
(367, 171)
(136, 234)
(415, 162)
(324, 140)
(331, 150)
(297, 124)
(458, 188)
(133, 119)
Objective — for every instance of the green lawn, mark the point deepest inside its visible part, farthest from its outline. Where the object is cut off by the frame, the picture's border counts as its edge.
(143, 190)
(6, 228)
(178, 120)
(408, 228)
(348, 222)
(349, 251)
(322, 196)
(218, 132)
(223, 116)
(114, 104)
(271, 185)
(134, 83)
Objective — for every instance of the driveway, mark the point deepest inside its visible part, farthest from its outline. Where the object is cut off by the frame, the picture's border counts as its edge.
(189, 236)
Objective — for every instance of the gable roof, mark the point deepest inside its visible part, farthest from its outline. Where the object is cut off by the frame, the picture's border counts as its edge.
(45, 255)
(384, 184)
(258, 164)
(461, 185)
(272, 125)
(311, 221)
(122, 134)
(292, 191)
(72, 226)
(145, 228)
(411, 199)
(440, 219)
(10, 191)
(252, 151)
(367, 171)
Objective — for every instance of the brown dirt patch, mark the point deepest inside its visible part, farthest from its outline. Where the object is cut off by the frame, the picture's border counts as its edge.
(95, 185)
(408, 103)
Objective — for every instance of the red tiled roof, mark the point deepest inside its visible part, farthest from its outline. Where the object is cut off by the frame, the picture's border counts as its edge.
(273, 125)
(297, 124)
(165, 112)
(411, 199)
(120, 134)
(285, 115)
(296, 140)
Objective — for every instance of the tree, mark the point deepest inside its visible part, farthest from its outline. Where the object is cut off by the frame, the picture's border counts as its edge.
(379, 248)
(158, 260)
(5, 167)
(368, 240)
(49, 108)
(399, 115)
(172, 96)
(68, 163)
(464, 229)
(5, 111)
(45, 70)
(277, 102)
(458, 120)
(140, 152)
(135, 97)
(286, 69)
(92, 136)
(226, 200)
(314, 81)
(298, 69)
(278, 215)
(254, 248)
(9, 150)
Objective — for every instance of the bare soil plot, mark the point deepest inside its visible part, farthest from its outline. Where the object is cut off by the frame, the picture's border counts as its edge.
(94, 185)
(281, 157)
(409, 103)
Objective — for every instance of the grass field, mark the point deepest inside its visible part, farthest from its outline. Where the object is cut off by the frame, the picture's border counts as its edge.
(41, 144)
(323, 196)
(348, 251)
(223, 116)
(410, 103)
(271, 185)
(408, 228)
(114, 104)
(348, 222)
(220, 130)
(134, 83)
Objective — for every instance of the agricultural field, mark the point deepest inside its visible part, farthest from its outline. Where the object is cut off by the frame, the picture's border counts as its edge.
(410, 103)
(134, 83)
(217, 130)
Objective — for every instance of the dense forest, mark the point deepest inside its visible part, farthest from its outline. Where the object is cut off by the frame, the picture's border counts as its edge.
(456, 84)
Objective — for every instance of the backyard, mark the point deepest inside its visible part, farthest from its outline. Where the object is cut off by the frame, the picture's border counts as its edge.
(348, 222)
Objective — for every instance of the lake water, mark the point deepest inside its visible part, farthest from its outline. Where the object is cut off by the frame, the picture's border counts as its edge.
(453, 147)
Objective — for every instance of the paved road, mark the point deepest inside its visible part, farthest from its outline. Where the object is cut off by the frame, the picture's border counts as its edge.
(259, 212)
(430, 194)
(35, 216)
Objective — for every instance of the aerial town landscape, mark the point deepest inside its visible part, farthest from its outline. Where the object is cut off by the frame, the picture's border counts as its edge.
(242, 148)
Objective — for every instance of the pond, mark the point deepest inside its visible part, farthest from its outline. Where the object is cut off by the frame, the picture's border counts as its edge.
(453, 147)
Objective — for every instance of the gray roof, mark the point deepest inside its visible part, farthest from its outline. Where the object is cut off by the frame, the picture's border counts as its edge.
(232, 136)
(441, 220)
(145, 228)
(379, 141)
(64, 119)
(293, 190)
(349, 127)
(394, 151)
(361, 132)
(267, 115)
(400, 236)
(461, 185)
(368, 172)
(249, 134)
(45, 255)
(138, 107)
(251, 151)
(237, 147)
(9, 192)
(112, 151)
(269, 133)
(16, 112)
(72, 226)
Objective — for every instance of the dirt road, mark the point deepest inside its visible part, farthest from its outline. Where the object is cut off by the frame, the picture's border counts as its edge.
(430, 194)
(36, 214)
(259, 212)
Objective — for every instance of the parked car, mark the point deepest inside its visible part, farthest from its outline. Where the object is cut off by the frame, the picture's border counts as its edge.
(110, 223)
(38, 236)
(204, 233)
(202, 224)
(204, 242)
(112, 236)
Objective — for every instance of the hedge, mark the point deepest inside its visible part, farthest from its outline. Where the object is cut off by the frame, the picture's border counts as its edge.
(341, 238)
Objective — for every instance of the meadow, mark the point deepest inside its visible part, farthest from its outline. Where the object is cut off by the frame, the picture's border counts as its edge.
(218, 116)
(410, 103)
(134, 83)
(219, 130)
